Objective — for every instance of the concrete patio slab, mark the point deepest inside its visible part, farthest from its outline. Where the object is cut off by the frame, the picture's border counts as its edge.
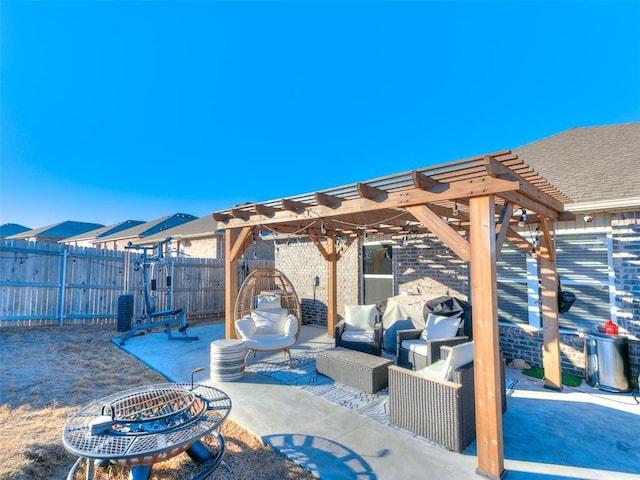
(578, 433)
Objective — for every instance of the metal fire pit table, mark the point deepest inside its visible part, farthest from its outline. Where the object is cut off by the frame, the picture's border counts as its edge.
(145, 425)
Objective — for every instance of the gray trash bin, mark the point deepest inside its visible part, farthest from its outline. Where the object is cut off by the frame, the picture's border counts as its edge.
(607, 362)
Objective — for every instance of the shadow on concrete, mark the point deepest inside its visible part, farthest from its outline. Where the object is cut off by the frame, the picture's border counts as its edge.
(570, 432)
(323, 457)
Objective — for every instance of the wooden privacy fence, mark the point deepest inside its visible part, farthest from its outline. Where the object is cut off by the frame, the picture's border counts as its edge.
(45, 283)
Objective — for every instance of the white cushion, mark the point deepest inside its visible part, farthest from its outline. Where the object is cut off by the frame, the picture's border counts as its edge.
(291, 326)
(416, 345)
(361, 336)
(437, 370)
(360, 317)
(269, 341)
(269, 321)
(246, 327)
(268, 302)
(458, 356)
(438, 326)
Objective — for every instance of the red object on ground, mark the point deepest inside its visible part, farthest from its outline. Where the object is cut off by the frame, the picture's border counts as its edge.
(611, 328)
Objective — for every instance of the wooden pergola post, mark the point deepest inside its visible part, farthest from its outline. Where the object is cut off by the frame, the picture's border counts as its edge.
(230, 282)
(332, 286)
(488, 396)
(234, 247)
(551, 360)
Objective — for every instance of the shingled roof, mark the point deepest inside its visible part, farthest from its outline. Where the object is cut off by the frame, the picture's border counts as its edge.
(103, 231)
(148, 228)
(204, 227)
(58, 231)
(9, 229)
(591, 165)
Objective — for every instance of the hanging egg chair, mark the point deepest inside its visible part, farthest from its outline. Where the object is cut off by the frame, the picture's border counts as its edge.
(264, 291)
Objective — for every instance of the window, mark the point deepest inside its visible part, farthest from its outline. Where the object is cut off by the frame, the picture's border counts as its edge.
(512, 288)
(584, 266)
(377, 269)
(583, 262)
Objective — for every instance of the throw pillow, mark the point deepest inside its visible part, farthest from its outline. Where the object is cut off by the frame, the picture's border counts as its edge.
(268, 302)
(438, 326)
(360, 317)
(246, 327)
(459, 355)
(269, 321)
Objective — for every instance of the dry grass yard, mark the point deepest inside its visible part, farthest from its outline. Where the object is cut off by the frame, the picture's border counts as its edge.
(49, 373)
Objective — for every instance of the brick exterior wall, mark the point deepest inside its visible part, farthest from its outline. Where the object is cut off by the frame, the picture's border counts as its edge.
(526, 343)
(425, 265)
(626, 263)
(201, 248)
(300, 261)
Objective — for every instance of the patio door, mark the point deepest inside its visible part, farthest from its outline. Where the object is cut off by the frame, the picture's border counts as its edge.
(377, 272)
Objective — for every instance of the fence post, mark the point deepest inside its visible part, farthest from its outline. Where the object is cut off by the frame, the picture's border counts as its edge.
(63, 279)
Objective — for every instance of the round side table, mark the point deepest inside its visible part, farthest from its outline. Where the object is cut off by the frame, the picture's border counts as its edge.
(227, 360)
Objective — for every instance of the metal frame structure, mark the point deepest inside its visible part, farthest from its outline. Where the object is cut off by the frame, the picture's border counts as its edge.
(151, 318)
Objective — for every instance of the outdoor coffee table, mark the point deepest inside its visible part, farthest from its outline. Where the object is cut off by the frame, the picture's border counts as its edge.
(146, 425)
(360, 370)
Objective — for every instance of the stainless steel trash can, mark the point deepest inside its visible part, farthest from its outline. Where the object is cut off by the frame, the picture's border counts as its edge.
(607, 362)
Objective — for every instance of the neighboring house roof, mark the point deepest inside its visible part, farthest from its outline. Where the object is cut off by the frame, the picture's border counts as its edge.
(9, 229)
(148, 228)
(597, 167)
(204, 227)
(58, 231)
(103, 231)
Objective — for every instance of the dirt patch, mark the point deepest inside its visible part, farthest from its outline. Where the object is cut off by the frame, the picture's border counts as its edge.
(49, 373)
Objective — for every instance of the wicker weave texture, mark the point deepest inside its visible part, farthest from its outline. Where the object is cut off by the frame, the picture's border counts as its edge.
(440, 411)
(267, 281)
(357, 369)
(374, 348)
(415, 361)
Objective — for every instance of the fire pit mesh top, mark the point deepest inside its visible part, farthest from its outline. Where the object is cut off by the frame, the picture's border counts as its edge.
(151, 404)
(143, 422)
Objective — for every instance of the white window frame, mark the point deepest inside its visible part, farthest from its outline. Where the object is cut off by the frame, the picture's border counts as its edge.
(374, 275)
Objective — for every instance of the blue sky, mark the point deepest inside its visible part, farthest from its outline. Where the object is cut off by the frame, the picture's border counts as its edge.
(116, 110)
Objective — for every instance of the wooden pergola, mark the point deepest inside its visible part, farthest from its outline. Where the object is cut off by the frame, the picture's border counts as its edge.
(472, 206)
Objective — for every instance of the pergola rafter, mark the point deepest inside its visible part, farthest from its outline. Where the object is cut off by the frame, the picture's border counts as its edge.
(470, 205)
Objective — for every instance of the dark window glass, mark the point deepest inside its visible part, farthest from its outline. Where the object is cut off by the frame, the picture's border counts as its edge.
(377, 259)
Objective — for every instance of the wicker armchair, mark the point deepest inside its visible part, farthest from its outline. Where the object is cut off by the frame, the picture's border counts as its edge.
(361, 329)
(413, 360)
(439, 410)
